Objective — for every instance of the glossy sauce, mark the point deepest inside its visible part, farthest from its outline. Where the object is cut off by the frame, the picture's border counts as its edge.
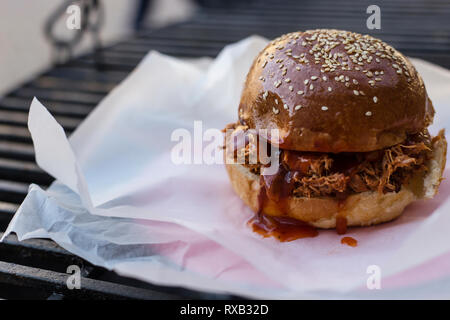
(278, 188)
(349, 241)
(299, 161)
(341, 225)
(282, 228)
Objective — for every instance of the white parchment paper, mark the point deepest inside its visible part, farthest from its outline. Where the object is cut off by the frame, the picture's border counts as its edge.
(120, 202)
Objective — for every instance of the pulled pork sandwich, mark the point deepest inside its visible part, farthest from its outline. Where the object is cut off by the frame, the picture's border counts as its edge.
(352, 114)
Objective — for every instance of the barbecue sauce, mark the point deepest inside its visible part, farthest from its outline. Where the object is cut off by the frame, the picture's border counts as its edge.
(349, 241)
(277, 188)
(282, 228)
(341, 225)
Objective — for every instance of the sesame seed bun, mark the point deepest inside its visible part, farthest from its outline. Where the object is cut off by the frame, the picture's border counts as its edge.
(334, 91)
(360, 209)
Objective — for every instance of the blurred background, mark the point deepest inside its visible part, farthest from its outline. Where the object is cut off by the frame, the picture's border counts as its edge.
(26, 50)
(71, 70)
(418, 27)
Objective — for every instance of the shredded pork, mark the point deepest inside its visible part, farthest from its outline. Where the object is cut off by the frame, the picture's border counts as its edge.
(322, 174)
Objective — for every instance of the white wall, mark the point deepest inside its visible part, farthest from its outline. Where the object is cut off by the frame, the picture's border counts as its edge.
(164, 12)
(24, 50)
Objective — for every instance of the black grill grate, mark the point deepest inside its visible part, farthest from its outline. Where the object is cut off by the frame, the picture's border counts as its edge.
(36, 268)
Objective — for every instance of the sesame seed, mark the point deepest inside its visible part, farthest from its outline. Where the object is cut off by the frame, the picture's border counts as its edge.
(275, 110)
(291, 88)
(277, 83)
(264, 63)
(287, 80)
(375, 99)
(276, 101)
(265, 95)
(359, 52)
(355, 92)
(300, 92)
(297, 107)
(329, 89)
(324, 108)
(368, 113)
(324, 78)
(306, 81)
(285, 106)
(311, 87)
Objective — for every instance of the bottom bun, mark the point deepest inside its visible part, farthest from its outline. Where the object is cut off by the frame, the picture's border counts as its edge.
(361, 209)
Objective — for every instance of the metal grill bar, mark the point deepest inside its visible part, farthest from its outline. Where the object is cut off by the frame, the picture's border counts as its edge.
(55, 282)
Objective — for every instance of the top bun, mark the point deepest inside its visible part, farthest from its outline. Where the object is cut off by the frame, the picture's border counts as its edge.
(334, 91)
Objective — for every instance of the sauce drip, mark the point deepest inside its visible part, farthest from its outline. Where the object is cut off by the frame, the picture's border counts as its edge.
(276, 188)
(299, 161)
(349, 241)
(341, 225)
(282, 228)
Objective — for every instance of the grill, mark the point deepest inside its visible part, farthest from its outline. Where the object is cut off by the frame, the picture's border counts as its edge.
(35, 269)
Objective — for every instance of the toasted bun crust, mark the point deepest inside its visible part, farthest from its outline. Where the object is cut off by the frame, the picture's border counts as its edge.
(362, 209)
(334, 91)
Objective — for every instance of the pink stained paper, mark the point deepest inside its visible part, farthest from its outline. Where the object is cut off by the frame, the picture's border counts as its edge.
(119, 163)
